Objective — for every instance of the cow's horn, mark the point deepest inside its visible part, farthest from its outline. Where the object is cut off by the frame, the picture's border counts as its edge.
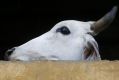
(105, 21)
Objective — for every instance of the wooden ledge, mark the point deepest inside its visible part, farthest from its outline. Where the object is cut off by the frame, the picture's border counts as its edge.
(59, 70)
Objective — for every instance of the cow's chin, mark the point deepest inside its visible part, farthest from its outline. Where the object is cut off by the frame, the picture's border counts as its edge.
(29, 58)
(20, 58)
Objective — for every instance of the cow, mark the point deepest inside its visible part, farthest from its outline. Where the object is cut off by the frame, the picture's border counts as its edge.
(67, 40)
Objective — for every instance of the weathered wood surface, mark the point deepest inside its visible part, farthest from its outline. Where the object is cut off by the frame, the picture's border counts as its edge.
(59, 70)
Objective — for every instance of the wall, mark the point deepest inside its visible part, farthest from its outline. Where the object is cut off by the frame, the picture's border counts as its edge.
(59, 70)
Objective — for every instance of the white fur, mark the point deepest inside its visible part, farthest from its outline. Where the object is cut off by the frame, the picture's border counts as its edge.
(55, 46)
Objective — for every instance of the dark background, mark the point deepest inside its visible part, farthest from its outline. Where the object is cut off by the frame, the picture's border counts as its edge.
(22, 20)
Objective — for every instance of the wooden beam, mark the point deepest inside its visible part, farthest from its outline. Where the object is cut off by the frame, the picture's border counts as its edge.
(59, 70)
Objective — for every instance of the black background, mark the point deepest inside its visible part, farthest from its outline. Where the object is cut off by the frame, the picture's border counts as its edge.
(22, 20)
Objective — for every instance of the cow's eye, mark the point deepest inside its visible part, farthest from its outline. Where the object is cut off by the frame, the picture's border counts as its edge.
(64, 30)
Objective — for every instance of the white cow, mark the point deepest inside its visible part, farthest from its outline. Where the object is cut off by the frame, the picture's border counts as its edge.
(67, 40)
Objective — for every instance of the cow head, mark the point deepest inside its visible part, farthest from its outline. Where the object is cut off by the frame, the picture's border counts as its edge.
(67, 40)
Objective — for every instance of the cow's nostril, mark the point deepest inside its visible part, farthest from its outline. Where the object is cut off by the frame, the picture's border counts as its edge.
(8, 53)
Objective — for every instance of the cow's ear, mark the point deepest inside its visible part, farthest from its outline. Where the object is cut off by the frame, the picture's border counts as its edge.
(104, 22)
(91, 51)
